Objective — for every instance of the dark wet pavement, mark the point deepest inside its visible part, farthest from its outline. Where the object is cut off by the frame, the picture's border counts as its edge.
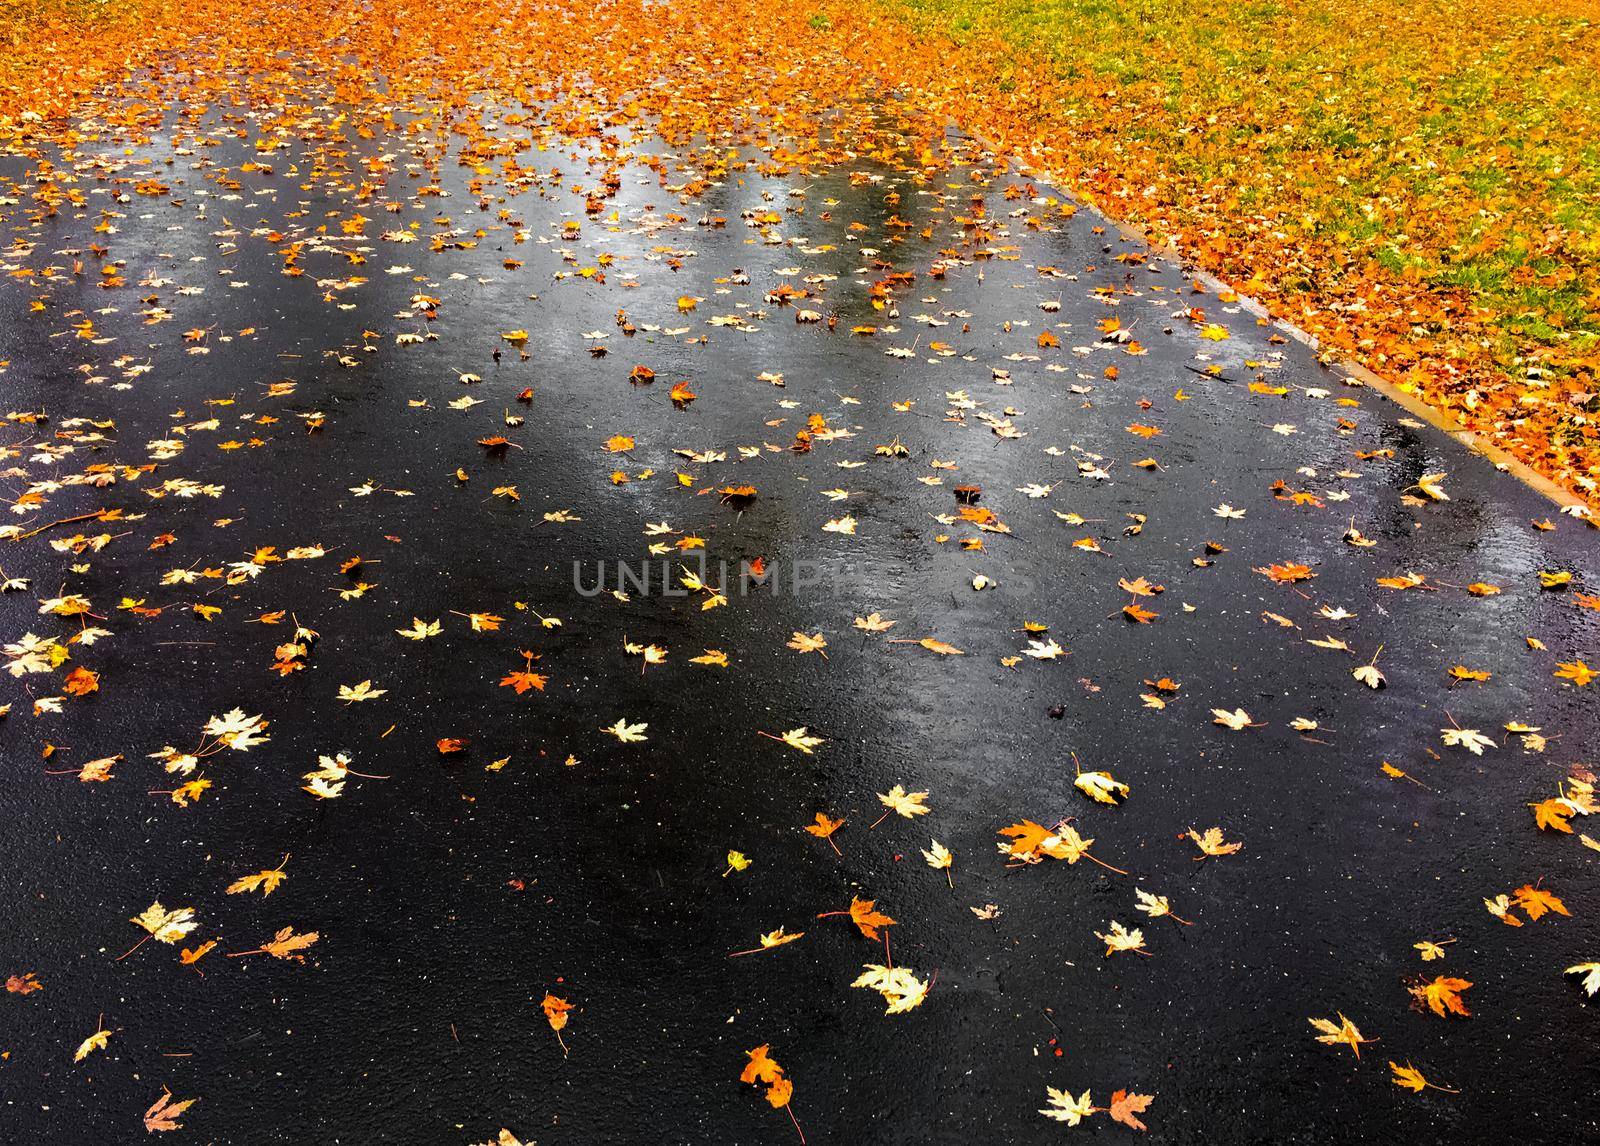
(449, 898)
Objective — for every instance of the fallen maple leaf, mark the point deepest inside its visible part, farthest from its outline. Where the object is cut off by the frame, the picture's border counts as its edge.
(761, 1067)
(420, 629)
(189, 956)
(1538, 902)
(1238, 719)
(823, 829)
(166, 926)
(899, 986)
(266, 881)
(770, 940)
(1552, 815)
(799, 739)
(1344, 1032)
(933, 645)
(864, 915)
(286, 944)
(1500, 908)
(1369, 675)
(1101, 787)
(163, 1113)
(1591, 976)
(1126, 1105)
(81, 682)
(1156, 906)
(1064, 1108)
(1576, 671)
(350, 693)
(24, 984)
(1286, 573)
(1211, 843)
(88, 1046)
(1120, 938)
(907, 804)
(522, 681)
(764, 1070)
(1469, 738)
(1443, 995)
(236, 730)
(809, 643)
(627, 733)
(1409, 1077)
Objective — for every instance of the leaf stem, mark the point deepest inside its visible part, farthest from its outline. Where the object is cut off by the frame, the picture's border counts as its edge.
(132, 949)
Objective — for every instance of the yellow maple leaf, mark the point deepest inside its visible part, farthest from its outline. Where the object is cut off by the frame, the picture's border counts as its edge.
(88, 1046)
(166, 926)
(1409, 1077)
(266, 881)
(1344, 1031)
(1576, 671)
(907, 804)
(1212, 843)
(627, 733)
(350, 693)
(1101, 787)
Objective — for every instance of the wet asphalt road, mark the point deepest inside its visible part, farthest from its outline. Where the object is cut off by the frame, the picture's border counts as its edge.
(450, 898)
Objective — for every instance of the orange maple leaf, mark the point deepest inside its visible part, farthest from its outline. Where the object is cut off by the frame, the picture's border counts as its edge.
(555, 1011)
(1553, 814)
(1286, 573)
(522, 681)
(761, 1068)
(1536, 901)
(1576, 671)
(780, 1092)
(1125, 1106)
(1027, 838)
(81, 682)
(284, 945)
(863, 915)
(163, 1113)
(824, 828)
(1443, 995)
